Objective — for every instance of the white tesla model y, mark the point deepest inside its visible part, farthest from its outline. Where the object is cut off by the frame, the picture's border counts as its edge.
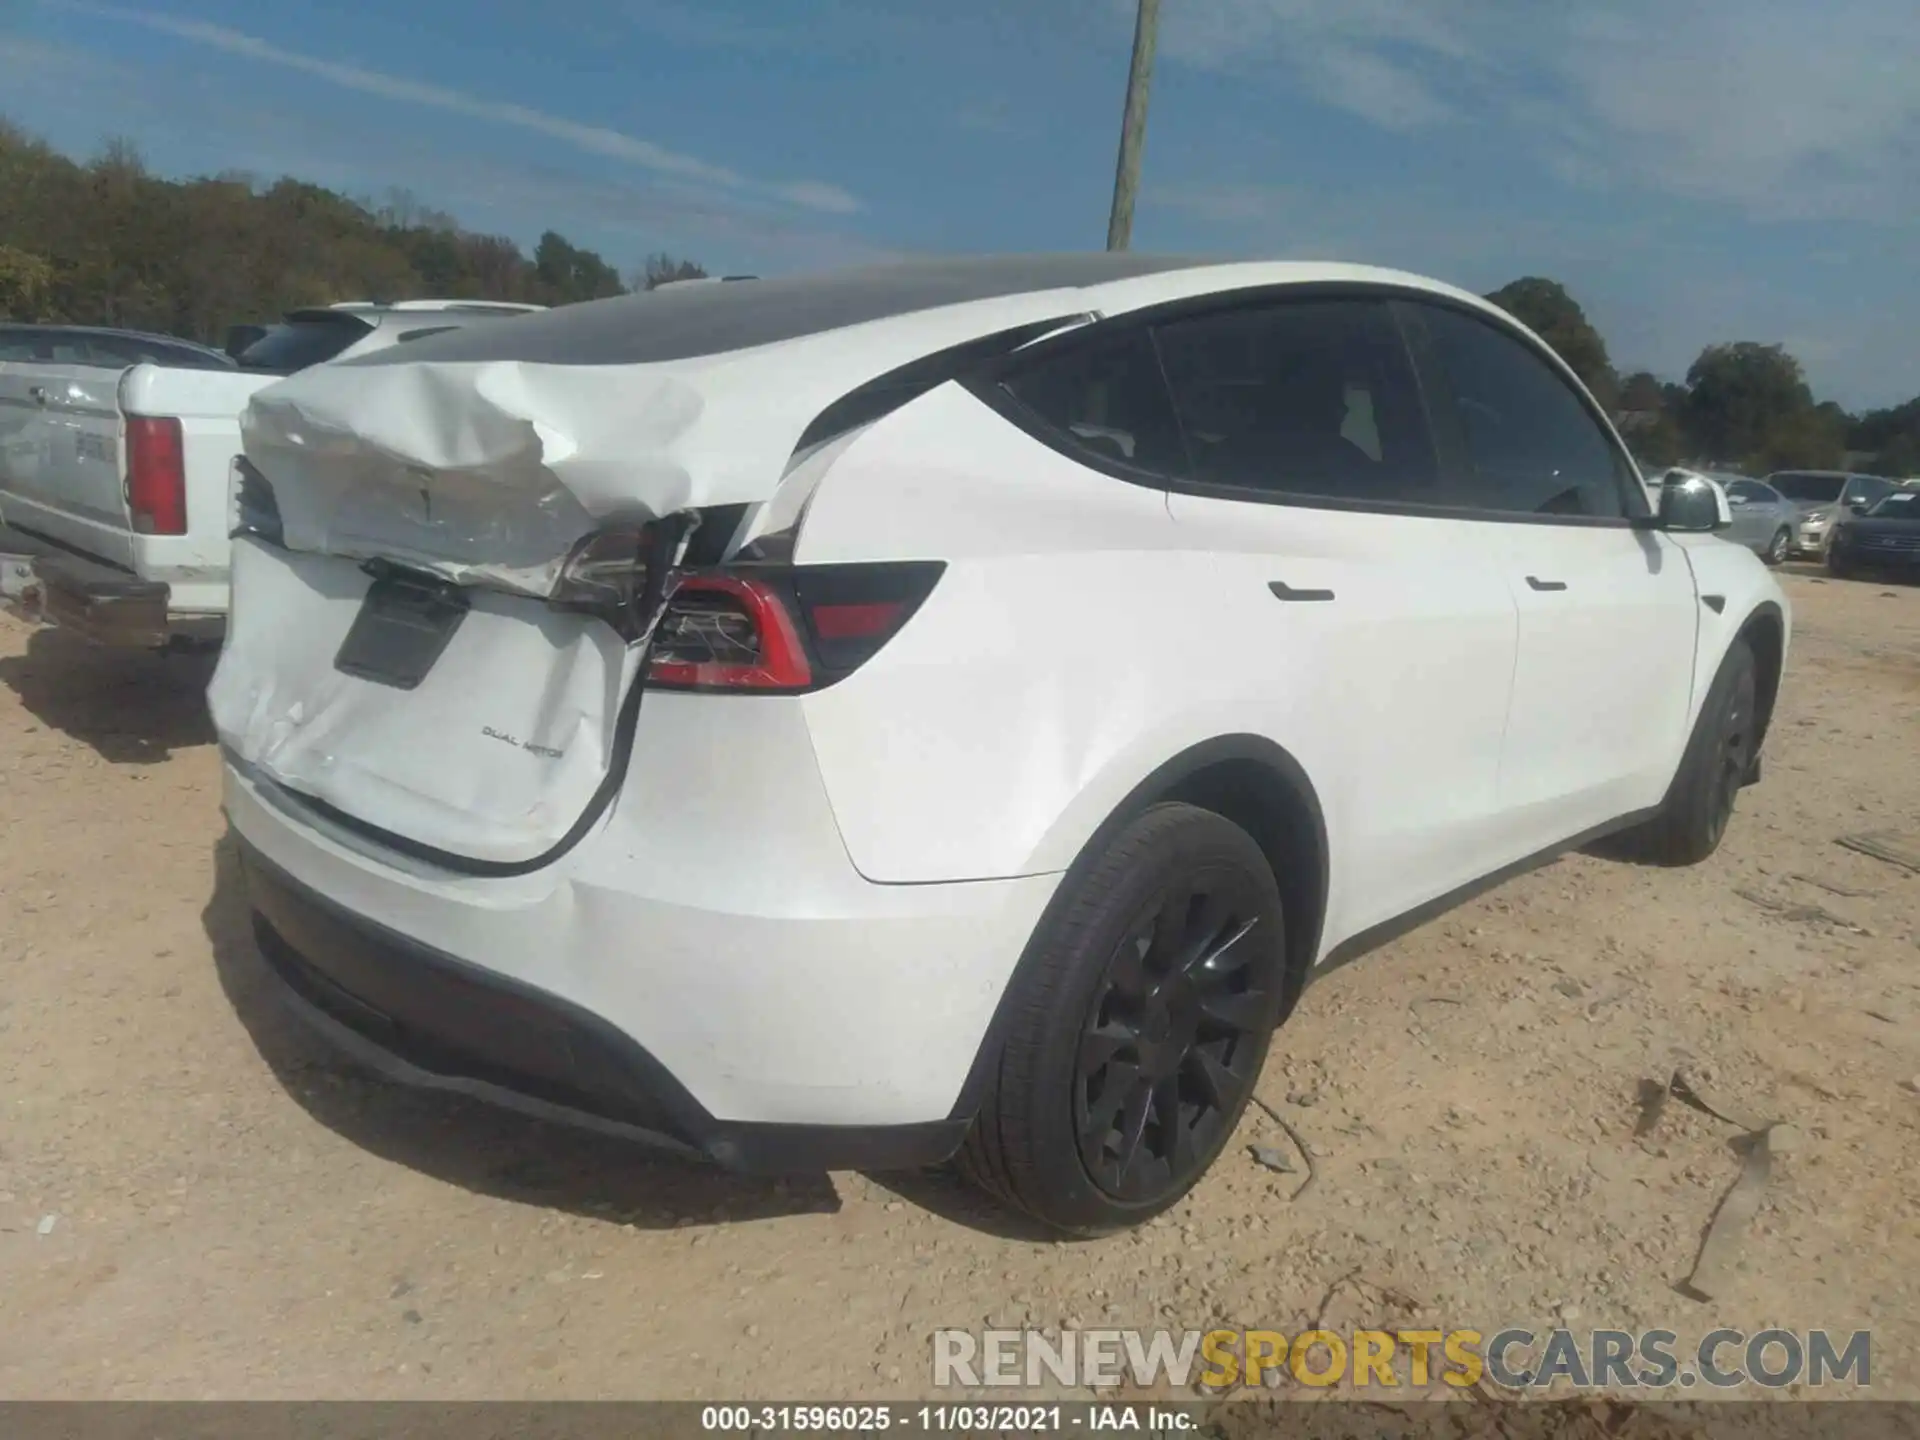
(947, 708)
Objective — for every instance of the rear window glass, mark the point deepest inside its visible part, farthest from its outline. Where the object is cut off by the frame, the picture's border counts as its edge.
(131, 350)
(1808, 487)
(299, 343)
(17, 344)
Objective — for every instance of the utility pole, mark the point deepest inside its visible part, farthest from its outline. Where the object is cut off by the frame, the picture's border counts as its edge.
(1133, 125)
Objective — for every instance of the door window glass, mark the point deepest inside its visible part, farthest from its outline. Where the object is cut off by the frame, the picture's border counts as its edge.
(1309, 398)
(1532, 446)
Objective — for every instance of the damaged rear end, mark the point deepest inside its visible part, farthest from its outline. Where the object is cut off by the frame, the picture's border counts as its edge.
(456, 574)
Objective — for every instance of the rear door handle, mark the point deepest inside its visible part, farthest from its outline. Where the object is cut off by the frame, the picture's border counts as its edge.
(1538, 584)
(1285, 591)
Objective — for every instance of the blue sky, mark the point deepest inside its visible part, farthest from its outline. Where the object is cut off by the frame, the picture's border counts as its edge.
(1713, 170)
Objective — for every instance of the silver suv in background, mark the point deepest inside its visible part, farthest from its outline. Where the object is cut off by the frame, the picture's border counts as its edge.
(1820, 496)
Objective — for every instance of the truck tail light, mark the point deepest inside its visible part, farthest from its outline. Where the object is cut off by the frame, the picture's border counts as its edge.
(156, 475)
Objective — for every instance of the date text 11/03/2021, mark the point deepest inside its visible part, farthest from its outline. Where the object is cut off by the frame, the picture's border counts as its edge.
(960, 1419)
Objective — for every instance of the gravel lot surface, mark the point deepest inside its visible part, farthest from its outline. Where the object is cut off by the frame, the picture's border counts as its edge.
(198, 1200)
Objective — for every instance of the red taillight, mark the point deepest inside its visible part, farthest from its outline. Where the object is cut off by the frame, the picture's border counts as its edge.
(726, 632)
(784, 628)
(855, 622)
(156, 475)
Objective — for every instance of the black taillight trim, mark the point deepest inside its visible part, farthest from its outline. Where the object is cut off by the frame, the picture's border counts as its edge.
(905, 582)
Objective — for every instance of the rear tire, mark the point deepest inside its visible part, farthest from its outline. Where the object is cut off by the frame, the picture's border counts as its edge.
(1781, 544)
(1720, 753)
(1142, 1015)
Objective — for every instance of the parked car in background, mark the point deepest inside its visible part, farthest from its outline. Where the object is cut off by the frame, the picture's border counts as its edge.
(1763, 518)
(1821, 497)
(844, 720)
(1884, 540)
(96, 345)
(116, 457)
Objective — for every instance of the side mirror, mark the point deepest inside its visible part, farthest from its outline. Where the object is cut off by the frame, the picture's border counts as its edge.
(1856, 503)
(1693, 505)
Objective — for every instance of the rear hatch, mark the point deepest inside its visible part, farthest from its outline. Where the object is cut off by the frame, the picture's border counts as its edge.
(459, 550)
(459, 721)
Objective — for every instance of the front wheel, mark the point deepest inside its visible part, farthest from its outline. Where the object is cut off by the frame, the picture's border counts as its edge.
(1138, 1027)
(1719, 756)
(1777, 550)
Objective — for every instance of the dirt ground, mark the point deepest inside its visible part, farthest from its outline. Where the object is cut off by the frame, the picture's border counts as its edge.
(197, 1200)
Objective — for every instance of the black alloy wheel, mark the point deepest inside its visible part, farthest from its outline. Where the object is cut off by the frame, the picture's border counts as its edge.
(1734, 754)
(1173, 1041)
(1719, 758)
(1129, 1042)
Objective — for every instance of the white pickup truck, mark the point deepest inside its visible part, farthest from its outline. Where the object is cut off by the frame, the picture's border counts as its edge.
(116, 458)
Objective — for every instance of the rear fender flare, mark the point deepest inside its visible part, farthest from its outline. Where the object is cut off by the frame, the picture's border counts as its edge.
(1306, 914)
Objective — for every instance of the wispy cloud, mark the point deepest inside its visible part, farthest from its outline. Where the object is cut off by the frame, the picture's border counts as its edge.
(1392, 63)
(589, 139)
(187, 128)
(1783, 109)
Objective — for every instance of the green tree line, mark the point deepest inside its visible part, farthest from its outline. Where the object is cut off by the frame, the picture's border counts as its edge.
(1742, 404)
(106, 242)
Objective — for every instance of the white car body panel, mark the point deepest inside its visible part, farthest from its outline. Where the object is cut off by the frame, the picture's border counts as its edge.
(807, 906)
(1603, 675)
(729, 937)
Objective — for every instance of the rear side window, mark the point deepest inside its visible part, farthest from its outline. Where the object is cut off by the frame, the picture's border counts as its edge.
(1312, 398)
(297, 344)
(1104, 396)
(1532, 446)
(1748, 490)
